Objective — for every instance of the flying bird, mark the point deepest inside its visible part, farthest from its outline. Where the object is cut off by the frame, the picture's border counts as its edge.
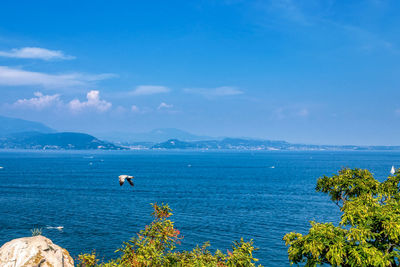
(124, 177)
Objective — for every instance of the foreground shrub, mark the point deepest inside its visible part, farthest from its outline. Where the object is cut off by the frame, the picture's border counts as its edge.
(156, 244)
(369, 231)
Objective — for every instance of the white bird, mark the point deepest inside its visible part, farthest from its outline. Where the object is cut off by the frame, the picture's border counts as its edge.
(392, 171)
(124, 177)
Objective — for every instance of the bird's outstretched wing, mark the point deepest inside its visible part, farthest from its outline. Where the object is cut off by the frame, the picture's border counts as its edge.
(130, 181)
(121, 179)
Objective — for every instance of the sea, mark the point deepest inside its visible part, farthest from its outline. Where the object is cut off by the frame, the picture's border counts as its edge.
(216, 196)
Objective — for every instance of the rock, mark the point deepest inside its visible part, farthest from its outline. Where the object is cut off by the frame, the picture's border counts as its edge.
(36, 251)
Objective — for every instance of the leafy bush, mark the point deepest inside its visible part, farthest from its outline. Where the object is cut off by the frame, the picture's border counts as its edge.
(156, 244)
(88, 259)
(369, 231)
(36, 231)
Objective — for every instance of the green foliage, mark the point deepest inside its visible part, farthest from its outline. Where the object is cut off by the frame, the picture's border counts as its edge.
(155, 246)
(87, 259)
(369, 231)
(36, 231)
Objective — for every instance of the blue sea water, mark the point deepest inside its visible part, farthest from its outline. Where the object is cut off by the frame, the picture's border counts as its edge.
(215, 196)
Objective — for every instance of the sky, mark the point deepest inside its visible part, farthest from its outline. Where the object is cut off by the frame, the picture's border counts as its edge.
(304, 71)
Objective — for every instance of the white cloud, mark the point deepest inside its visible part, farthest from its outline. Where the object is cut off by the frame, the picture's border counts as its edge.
(40, 101)
(150, 90)
(135, 108)
(35, 53)
(164, 105)
(93, 102)
(18, 77)
(215, 92)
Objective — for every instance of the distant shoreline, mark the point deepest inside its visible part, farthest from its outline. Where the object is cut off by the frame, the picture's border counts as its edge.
(193, 150)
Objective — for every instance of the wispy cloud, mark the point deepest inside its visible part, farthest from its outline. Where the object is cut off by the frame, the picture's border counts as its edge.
(367, 40)
(135, 109)
(150, 90)
(93, 102)
(318, 16)
(275, 13)
(290, 112)
(19, 77)
(290, 10)
(215, 92)
(38, 102)
(304, 112)
(164, 105)
(35, 53)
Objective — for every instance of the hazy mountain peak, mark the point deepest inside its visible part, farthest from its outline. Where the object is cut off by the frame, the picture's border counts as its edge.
(10, 125)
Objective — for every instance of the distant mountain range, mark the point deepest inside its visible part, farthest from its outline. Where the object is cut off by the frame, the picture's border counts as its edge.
(154, 136)
(65, 140)
(12, 125)
(23, 134)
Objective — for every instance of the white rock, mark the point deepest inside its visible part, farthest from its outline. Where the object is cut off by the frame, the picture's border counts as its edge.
(36, 251)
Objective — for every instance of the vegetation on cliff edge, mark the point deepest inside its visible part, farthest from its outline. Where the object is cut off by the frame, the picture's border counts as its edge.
(369, 231)
(156, 244)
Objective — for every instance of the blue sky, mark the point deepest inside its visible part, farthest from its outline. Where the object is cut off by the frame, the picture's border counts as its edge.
(321, 72)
